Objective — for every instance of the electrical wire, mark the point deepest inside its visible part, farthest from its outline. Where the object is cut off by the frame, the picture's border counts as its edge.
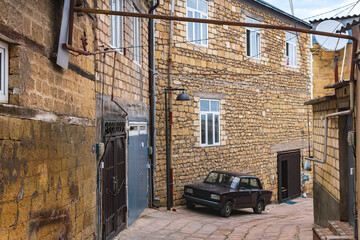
(333, 10)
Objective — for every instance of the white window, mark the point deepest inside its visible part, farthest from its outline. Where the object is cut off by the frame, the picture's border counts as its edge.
(4, 62)
(209, 122)
(197, 32)
(117, 25)
(252, 40)
(291, 49)
(137, 39)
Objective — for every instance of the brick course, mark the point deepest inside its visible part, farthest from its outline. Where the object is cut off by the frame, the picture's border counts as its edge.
(256, 112)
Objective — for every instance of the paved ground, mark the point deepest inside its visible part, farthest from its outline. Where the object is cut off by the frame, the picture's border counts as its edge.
(279, 221)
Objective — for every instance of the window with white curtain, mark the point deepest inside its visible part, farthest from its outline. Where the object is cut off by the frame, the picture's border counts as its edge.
(137, 38)
(117, 25)
(4, 65)
(290, 49)
(253, 40)
(197, 33)
(209, 122)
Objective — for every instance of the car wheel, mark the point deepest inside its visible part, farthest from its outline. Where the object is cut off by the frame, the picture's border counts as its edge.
(190, 204)
(226, 209)
(259, 207)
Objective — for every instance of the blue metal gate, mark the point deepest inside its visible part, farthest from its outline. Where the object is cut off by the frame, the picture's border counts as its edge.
(137, 170)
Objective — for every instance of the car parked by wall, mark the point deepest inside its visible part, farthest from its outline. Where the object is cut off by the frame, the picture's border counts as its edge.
(226, 191)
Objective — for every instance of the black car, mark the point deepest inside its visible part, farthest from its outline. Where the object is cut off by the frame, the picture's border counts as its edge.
(225, 191)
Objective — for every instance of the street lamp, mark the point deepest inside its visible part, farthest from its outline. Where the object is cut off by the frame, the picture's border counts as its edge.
(181, 97)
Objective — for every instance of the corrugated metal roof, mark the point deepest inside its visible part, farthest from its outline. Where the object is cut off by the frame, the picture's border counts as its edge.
(320, 100)
(349, 26)
(335, 18)
(338, 84)
(268, 5)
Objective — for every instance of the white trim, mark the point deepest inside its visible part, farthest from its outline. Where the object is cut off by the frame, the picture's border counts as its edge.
(206, 113)
(203, 15)
(256, 45)
(292, 62)
(4, 50)
(137, 39)
(119, 40)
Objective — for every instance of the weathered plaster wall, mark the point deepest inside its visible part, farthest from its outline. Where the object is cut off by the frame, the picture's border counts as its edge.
(257, 112)
(47, 171)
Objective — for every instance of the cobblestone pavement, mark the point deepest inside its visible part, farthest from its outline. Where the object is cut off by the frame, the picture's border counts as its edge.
(279, 221)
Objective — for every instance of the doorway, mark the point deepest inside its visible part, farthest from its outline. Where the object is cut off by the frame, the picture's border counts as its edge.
(114, 179)
(288, 175)
(137, 170)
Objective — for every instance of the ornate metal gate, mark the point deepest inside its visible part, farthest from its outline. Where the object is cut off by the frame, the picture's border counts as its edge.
(114, 179)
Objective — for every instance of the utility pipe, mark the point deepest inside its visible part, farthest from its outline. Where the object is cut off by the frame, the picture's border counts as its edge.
(222, 22)
(152, 92)
(170, 105)
(348, 112)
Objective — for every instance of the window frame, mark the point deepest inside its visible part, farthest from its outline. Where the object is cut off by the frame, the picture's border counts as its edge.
(291, 44)
(206, 113)
(203, 15)
(4, 72)
(256, 33)
(118, 42)
(137, 38)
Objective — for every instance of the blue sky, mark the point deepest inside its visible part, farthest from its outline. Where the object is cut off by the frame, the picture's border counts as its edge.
(307, 8)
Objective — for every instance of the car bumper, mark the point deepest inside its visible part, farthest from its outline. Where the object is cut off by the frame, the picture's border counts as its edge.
(203, 201)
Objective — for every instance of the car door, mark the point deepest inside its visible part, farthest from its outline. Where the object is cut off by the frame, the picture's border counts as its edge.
(243, 198)
(254, 188)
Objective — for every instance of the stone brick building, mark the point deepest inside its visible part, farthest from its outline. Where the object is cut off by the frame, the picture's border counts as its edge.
(47, 127)
(51, 118)
(247, 87)
(334, 182)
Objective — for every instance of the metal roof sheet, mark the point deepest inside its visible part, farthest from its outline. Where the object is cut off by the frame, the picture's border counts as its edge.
(268, 5)
(335, 18)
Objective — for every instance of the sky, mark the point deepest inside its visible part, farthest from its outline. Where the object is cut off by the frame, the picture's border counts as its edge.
(307, 8)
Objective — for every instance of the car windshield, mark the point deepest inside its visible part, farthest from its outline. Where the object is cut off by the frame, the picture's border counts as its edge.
(222, 179)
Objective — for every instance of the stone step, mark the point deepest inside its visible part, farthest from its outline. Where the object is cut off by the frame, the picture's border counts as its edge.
(321, 233)
(341, 228)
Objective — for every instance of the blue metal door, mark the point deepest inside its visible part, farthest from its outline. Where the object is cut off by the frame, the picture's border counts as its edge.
(137, 170)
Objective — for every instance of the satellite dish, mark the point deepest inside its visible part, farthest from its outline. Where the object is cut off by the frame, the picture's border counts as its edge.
(330, 43)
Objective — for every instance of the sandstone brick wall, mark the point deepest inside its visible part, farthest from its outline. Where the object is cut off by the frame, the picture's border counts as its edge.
(323, 68)
(258, 112)
(47, 171)
(131, 80)
(327, 174)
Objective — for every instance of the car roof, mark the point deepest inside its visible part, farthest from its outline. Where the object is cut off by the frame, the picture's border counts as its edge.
(235, 173)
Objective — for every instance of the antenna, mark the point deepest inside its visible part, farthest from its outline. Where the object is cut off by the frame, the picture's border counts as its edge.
(330, 43)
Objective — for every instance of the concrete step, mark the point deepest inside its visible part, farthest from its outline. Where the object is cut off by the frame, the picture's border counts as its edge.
(337, 231)
(341, 228)
(320, 233)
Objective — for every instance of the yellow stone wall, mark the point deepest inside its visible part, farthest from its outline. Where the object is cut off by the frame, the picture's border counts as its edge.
(323, 68)
(261, 101)
(131, 79)
(327, 174)
(47, 170)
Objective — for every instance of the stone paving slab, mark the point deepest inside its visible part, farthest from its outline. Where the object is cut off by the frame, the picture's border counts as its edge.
(279, 221)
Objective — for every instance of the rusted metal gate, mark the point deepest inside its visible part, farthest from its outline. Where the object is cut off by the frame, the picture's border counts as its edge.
(289, 175)
(114, 179)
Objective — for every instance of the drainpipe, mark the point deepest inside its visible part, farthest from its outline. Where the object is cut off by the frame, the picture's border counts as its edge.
(170, 105)
(348, 112)
(152, 88)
